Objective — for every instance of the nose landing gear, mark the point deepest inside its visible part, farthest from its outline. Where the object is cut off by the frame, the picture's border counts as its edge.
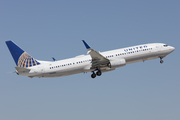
(161, 61)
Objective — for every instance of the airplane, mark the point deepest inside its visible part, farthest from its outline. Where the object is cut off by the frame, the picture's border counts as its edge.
(95, 62)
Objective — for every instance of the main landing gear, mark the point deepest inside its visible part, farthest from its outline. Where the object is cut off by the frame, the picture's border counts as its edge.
(98, 73)
(161, 61)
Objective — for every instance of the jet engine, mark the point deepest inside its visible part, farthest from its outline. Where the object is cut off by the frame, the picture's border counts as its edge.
(117, 63)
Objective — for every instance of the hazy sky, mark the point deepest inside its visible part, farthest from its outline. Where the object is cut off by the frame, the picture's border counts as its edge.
(46, 29)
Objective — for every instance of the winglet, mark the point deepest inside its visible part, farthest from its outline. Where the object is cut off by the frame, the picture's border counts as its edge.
(87, 46)
(53, 59)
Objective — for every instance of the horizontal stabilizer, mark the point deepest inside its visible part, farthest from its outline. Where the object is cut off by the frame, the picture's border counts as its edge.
(20, 69)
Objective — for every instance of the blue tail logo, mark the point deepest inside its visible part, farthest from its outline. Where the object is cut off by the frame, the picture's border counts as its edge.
(21, 58)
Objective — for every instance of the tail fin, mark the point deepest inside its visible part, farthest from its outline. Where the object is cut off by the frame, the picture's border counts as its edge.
(21, 58)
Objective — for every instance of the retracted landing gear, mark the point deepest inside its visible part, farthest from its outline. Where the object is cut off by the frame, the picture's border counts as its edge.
(161, 61)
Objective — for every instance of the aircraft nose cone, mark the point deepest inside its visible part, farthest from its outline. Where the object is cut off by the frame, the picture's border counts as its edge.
(172, 48)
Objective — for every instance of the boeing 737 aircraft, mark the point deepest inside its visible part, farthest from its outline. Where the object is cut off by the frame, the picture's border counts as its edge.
(95, 62)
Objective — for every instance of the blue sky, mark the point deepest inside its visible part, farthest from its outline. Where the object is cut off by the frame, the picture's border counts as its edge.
(46, 29)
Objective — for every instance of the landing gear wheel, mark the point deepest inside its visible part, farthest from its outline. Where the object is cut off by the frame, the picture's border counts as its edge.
(93, 75)
(98, 73)
(161, 61)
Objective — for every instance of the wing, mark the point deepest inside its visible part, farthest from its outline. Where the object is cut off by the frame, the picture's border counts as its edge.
(98, 60)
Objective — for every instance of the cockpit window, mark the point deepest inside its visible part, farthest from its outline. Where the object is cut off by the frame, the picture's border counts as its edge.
(165, 45)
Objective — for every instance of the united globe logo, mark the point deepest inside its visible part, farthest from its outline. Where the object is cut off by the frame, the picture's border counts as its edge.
(25, 60)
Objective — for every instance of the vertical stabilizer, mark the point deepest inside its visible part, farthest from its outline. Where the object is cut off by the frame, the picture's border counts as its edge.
(21, 58)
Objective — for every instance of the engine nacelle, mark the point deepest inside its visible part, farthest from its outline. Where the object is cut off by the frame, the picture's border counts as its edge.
(117, 63)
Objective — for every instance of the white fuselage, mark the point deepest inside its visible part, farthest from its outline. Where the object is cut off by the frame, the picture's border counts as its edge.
(82, 64)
